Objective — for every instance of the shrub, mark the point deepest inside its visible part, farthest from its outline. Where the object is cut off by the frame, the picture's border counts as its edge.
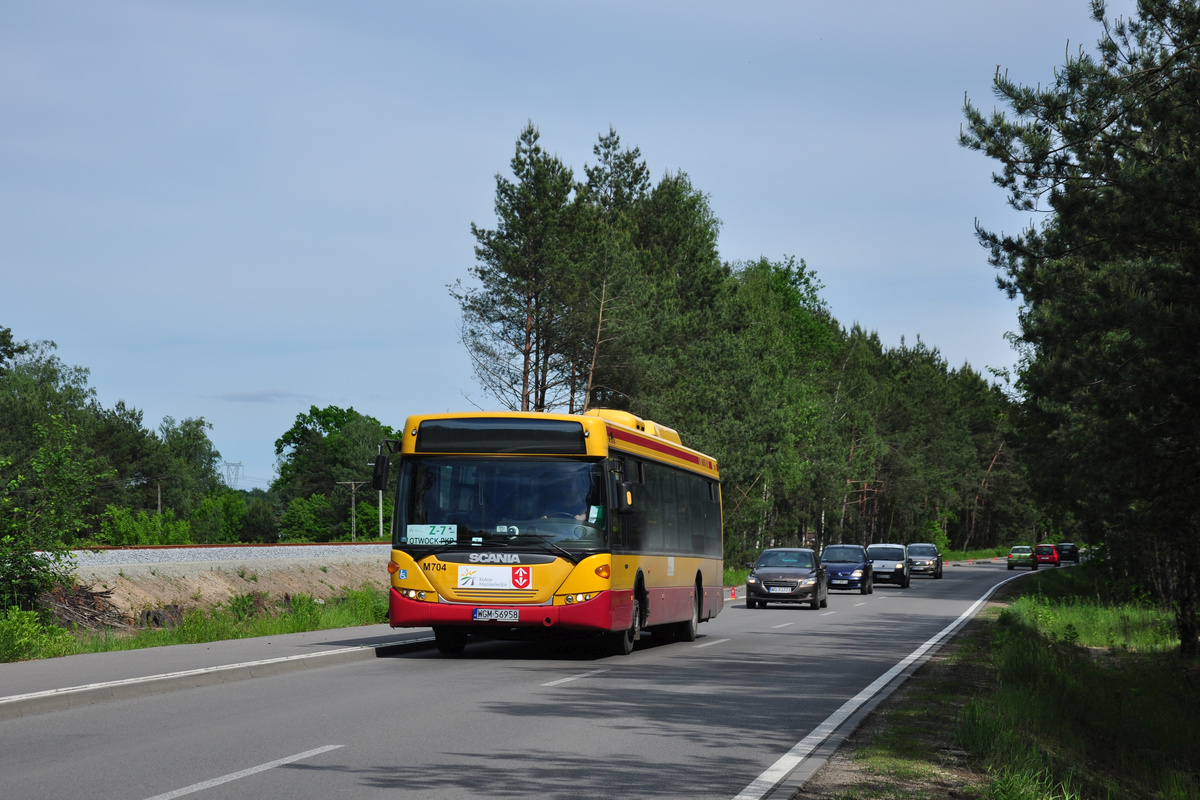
(23, 636)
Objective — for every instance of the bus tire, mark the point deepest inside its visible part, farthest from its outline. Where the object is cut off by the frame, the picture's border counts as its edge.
(450, 640)
(686, 631)
(620, 643)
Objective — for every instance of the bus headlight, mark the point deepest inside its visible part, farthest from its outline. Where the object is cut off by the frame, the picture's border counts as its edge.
(571, 599)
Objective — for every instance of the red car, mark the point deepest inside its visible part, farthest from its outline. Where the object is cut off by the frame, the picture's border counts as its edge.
(1046, 554)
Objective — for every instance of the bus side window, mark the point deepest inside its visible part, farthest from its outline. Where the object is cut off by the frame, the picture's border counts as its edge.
(635, 522)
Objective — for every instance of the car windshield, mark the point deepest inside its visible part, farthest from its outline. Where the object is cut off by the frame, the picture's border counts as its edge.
(843, 554)
(1044, 548)
(886, 553)
(1020, 550)
(786, 558)
(922, 550)
(502, 501)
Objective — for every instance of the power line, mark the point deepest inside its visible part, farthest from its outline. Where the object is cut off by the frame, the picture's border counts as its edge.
(232, 473)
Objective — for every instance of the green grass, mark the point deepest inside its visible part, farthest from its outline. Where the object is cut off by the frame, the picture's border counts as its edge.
(987, 554)
(736, 576)
(23, 636)
(1056, 695)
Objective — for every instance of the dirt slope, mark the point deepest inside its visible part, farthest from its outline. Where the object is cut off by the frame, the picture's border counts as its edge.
(142, 587)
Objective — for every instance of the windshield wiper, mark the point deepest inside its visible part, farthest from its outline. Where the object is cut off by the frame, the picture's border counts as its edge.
(549, 543)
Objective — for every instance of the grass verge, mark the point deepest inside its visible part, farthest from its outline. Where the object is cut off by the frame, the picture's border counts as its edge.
(23, 636)
(1049, 693)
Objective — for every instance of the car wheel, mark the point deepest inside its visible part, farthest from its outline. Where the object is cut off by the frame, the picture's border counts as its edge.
(815, 603)
(938, 574)
(825, 599)
(905, 581)
(865, 588)
(1035, 565)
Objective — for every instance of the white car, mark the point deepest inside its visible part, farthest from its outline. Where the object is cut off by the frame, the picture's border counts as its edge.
(890, 564)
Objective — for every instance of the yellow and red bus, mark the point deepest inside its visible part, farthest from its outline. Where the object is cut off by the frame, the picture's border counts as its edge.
(510, 523)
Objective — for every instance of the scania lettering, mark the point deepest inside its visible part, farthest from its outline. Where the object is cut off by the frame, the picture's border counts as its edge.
(598, 525)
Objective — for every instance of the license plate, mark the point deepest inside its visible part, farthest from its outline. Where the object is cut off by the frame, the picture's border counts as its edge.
(778, 590)
(496, 615)
(837, 582)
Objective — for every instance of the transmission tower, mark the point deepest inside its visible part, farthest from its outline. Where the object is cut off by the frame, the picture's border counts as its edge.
(232, 473)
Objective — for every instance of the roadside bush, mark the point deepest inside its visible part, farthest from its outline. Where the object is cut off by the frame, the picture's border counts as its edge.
(305, 613)
(23, 636)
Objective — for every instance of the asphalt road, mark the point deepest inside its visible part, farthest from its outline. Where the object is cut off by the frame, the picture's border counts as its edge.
(730, 715)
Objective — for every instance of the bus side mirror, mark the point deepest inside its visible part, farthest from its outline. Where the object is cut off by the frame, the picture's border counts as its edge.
(624, 497)
(379, 477)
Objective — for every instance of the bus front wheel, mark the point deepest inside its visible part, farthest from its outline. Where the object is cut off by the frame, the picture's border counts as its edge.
(620, 643)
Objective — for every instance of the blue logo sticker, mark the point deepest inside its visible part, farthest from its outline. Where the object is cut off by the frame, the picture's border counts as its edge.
(403, 574)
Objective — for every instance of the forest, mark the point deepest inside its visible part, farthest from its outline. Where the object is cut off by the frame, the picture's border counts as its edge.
(608, 290)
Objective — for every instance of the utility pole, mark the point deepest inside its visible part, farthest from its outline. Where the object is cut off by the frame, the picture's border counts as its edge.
(372, 465)
(353, 510)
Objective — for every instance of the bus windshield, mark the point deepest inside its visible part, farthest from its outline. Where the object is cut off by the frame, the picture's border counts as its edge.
(506, 502)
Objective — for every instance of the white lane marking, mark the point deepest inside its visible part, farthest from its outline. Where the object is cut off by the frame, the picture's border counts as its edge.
(577, 677)
(774, 774)
(233, 776)
(863, 603)
(784, 625)
(203, 670)
(827, 613)
(710, 644)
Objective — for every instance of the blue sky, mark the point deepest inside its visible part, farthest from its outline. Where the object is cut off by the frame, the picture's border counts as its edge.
(236, 210)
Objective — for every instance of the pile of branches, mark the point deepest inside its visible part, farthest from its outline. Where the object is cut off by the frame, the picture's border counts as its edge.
(82, 607)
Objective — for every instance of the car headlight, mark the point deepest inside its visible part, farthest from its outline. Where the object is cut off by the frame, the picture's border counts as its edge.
(808, 582)
(899, 566)
(751, 579)
(856, 574)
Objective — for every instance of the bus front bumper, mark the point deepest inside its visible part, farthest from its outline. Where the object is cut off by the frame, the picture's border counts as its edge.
(601, 613)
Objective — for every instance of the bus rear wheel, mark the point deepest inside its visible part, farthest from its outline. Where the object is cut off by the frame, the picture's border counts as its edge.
(450, 640)
(686, 631)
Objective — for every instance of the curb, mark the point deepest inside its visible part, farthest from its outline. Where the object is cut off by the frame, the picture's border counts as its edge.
(24, 705)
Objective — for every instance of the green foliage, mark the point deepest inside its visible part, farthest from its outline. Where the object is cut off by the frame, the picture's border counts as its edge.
(307, 519)
(10, 349)
(612, 293)
(1110, 285)
(121, 527)
(323, 452)
(1053, 706)
(23, 636)
(42, 514)
(304, 613)
(219, 517)
(259, 524)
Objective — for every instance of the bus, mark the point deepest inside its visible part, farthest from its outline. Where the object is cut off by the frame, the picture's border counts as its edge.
(514, 524)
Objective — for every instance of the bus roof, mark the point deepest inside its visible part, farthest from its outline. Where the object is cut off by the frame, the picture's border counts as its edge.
(593, 433)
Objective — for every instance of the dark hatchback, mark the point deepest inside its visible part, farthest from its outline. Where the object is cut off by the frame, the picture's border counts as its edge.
(848, 567)
(787, 575)
(1067, 551)
(925, 559)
